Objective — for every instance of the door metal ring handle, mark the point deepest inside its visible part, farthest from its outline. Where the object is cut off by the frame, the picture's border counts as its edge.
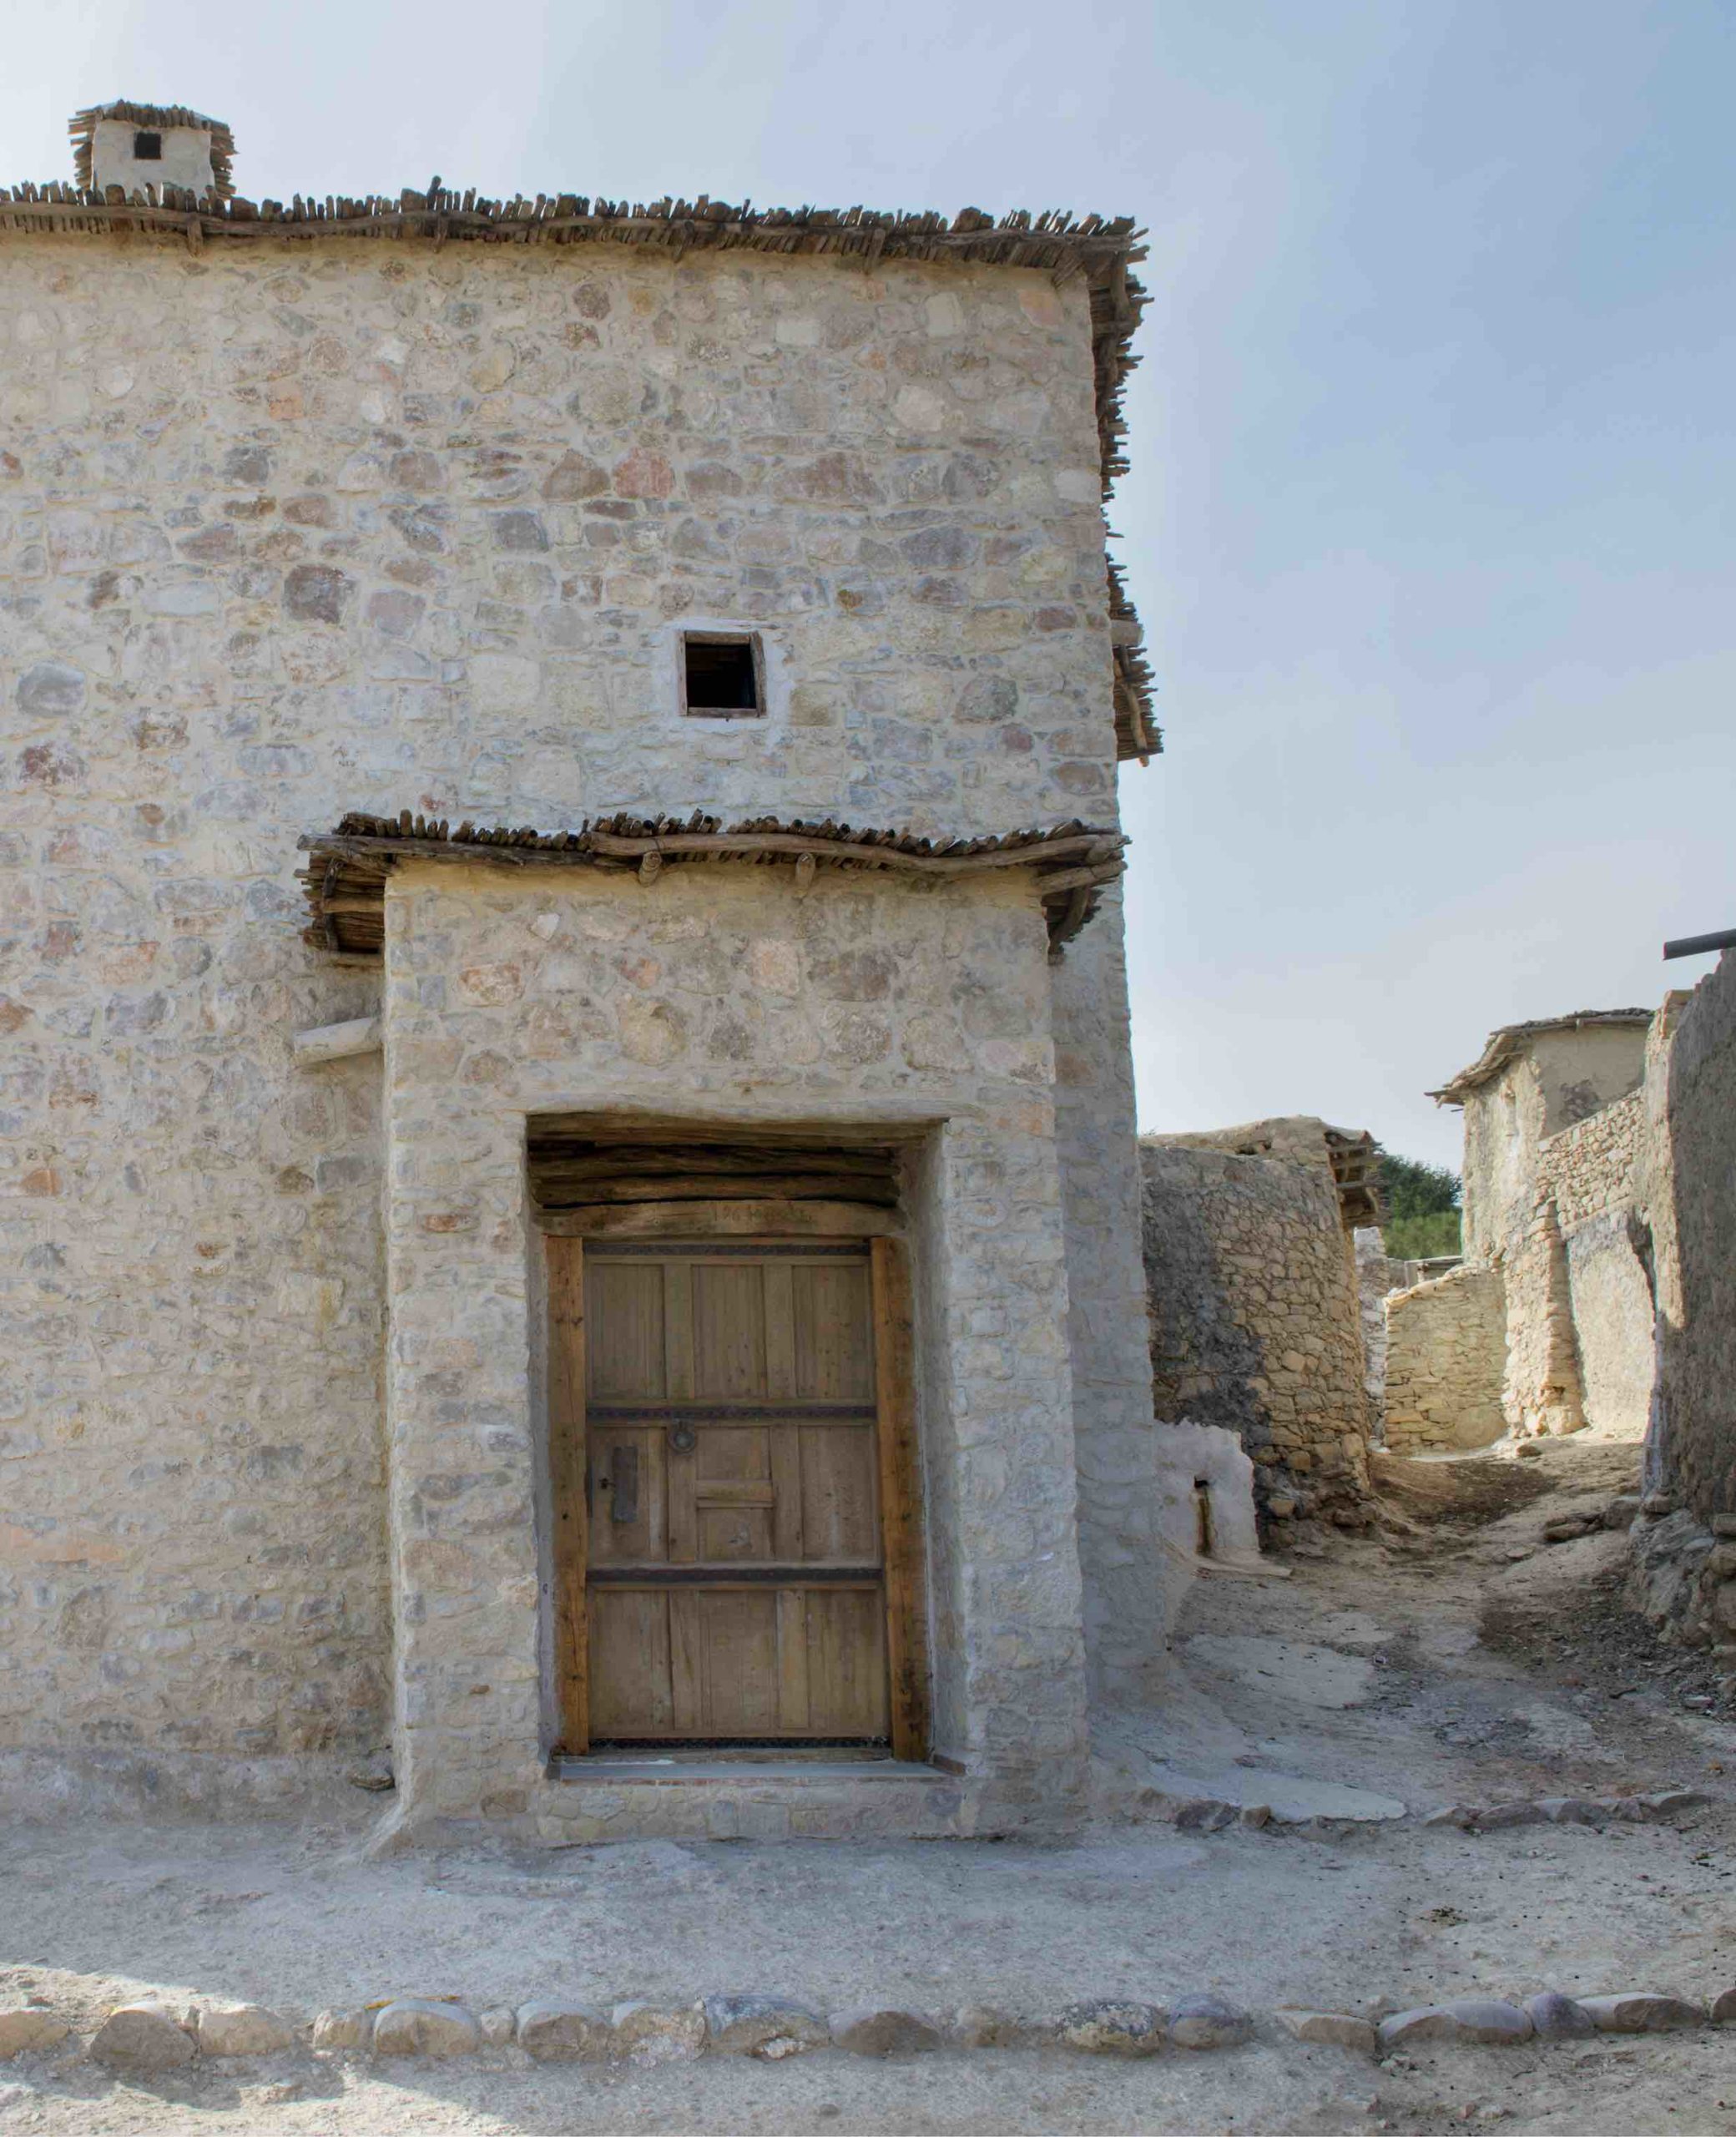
(683, 1439)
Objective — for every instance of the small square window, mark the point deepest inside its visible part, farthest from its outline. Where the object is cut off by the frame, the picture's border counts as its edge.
(722, 675)
(147, 148)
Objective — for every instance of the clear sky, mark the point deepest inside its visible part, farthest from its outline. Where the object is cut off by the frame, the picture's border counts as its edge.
(1430, 519)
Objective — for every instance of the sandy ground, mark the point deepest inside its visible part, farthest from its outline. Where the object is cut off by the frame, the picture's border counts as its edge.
(1462, 1659)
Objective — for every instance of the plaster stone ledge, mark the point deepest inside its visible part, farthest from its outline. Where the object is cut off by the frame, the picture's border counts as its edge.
(337, 1041)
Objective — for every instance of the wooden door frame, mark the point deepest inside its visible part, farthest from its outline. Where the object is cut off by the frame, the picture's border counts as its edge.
(569, 1513)
(900, 1467)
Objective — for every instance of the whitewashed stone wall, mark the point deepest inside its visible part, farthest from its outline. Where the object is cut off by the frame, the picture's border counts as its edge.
(287, 530)
(722, 994)
(1446, 1347)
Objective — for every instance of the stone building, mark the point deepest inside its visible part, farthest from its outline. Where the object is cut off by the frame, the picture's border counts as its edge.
(638, 1245)
(1256, 1317)
(1684, 1575)
(1553, 1115)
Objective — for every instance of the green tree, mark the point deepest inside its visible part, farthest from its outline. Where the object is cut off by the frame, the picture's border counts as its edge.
(1422, 1203)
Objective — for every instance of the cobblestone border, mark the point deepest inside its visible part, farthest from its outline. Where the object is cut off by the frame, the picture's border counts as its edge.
(155, 2036)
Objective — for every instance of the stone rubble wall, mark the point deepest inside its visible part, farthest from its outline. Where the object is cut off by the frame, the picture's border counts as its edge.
(291, 529)
(1378, 1275)
(1445, 1344)
(1256, 1322)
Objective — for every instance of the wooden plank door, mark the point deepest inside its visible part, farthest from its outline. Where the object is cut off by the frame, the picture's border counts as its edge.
(744, 1565)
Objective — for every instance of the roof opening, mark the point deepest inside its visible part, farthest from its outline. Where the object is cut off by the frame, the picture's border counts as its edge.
(146, 147)
(720, 674)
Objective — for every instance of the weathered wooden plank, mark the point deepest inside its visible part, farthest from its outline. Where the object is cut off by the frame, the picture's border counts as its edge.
(900, 1498)
(792, 1660)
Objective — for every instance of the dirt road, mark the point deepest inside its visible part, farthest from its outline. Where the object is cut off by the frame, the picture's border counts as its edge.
(1462, 1659)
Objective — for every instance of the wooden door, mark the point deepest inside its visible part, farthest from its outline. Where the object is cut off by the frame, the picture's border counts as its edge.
(735, 1517)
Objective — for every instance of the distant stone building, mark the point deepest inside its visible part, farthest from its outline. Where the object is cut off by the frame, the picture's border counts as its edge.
(1255, 1314)
(637, 1247)
(1553, 1117)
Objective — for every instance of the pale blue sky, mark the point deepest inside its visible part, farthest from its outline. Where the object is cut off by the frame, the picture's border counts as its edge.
(1431, 518)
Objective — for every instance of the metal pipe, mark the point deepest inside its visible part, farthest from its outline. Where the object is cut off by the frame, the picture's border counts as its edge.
(1691, 945)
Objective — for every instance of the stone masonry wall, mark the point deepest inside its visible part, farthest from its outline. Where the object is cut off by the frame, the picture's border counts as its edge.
(1579, 1311)
(723, 994)
(1691, 1198)
(288, 530)
(1445, 1344)
(1120, 1516)
(1255, 1321)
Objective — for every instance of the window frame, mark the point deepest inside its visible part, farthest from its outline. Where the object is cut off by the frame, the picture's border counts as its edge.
(756, 652)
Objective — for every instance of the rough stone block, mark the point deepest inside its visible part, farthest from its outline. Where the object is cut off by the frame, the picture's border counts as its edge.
(223, 2029)
(1556, 2017)
(1641, 2012)
(982, 2025)
(769, 2027)
(1724, 2008)
(1510, 1814)
(1329, 2028)
(1209, 2022)
(650, 2034)
(563, 2032)
(418, 2026)
(334, 2031)
(25, 2028)
(142, 2037)
(868, 2031)
(1470, 2019)
(1106, 2026)
(497, 2026)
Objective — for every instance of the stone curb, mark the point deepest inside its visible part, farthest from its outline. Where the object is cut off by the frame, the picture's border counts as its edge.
(152, 2036)
(1211, 1814)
